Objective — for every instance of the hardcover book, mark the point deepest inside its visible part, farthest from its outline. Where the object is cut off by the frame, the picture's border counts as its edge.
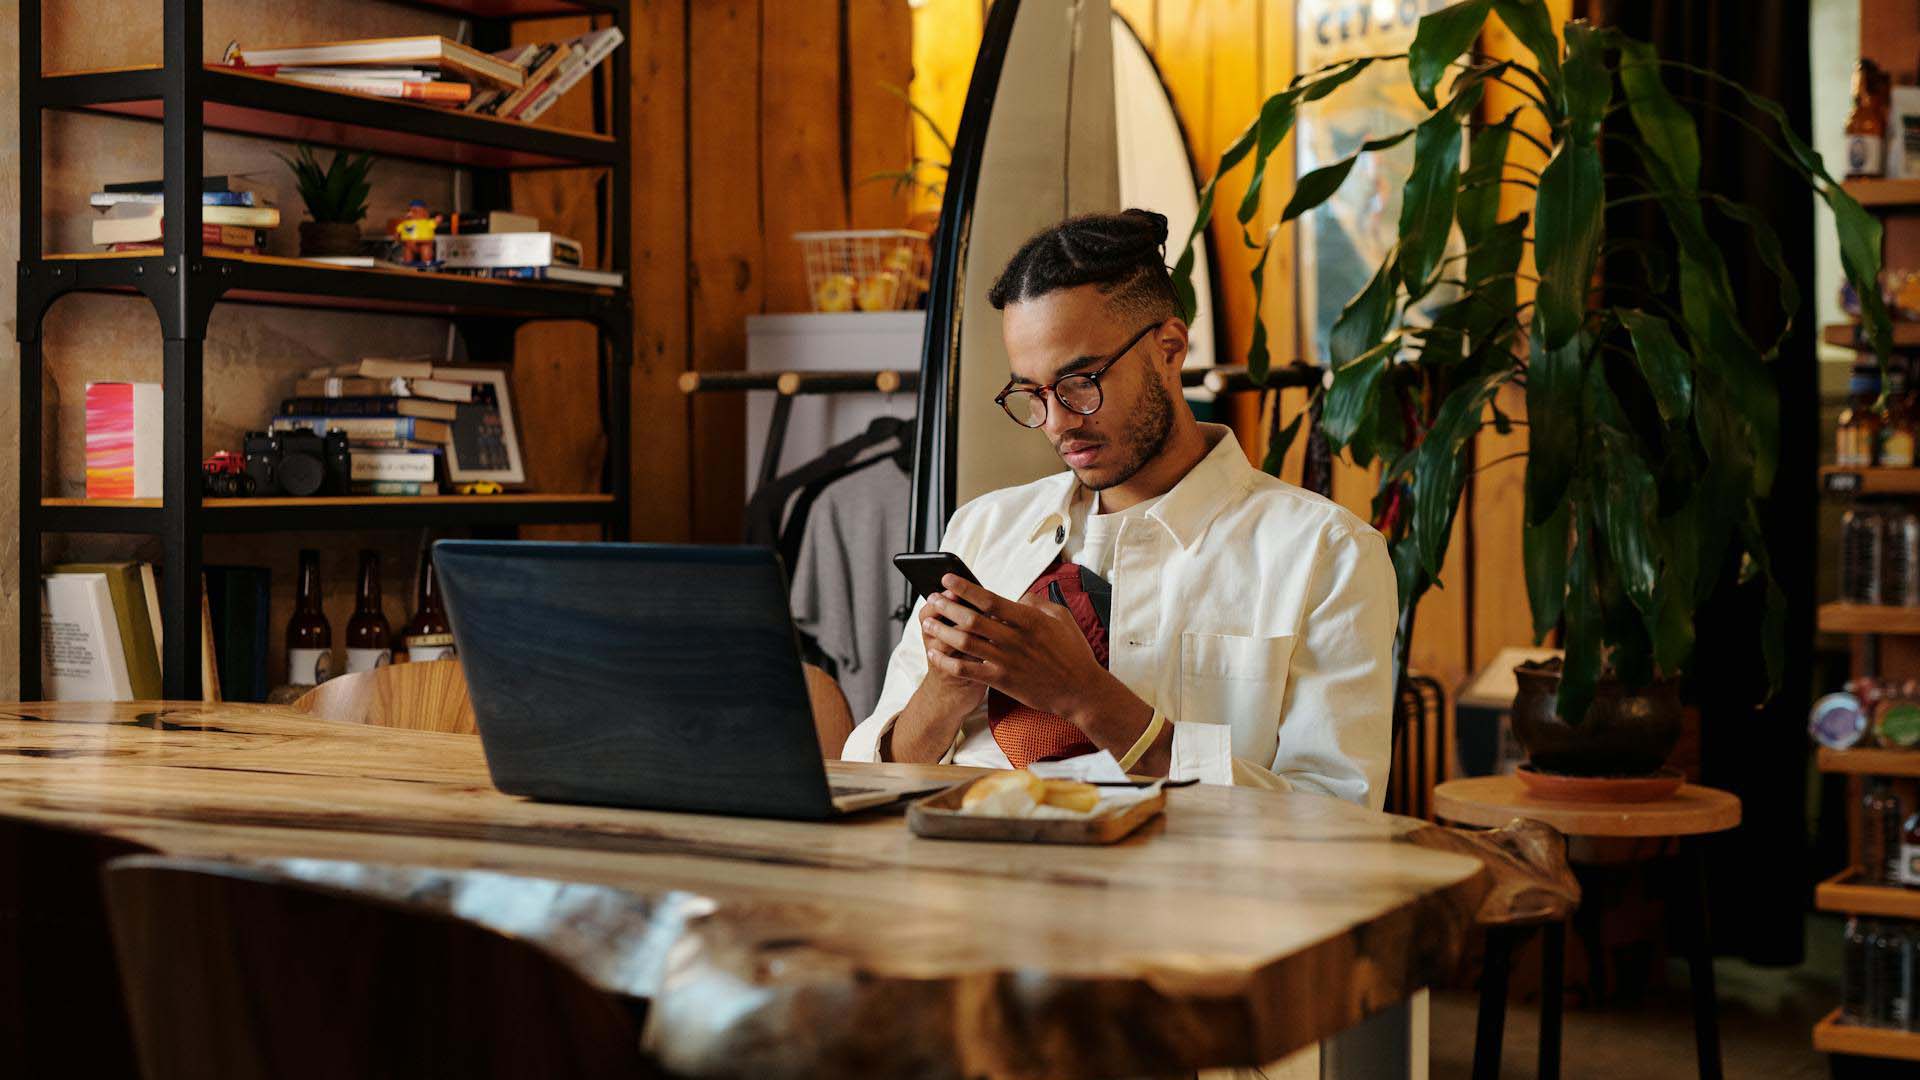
(402, 465)
(368, 406)
(369, 427)
(132, 621)
(80, 654)
(488, 250)
(446, 54)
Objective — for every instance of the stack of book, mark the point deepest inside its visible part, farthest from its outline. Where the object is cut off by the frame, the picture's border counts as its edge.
(552, 69)
(427, 68)
(398, 419)
(527, 255)
(236, 215)
(100, 632)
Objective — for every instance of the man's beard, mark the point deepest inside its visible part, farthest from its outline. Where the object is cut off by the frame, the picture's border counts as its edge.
(1144, 439)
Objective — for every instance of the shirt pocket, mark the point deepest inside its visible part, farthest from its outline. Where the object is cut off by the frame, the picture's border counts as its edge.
(1238, 681)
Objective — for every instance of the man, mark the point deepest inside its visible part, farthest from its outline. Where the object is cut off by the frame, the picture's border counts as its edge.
(1176, 606)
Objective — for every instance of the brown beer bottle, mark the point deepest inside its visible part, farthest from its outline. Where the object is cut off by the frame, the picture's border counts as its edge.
(369, 638)
(428, 635)
(309, 637)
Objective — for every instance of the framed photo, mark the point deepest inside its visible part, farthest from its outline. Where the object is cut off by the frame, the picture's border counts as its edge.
(485, 445)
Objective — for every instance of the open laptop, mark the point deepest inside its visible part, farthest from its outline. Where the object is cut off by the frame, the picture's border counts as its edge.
(653, 676)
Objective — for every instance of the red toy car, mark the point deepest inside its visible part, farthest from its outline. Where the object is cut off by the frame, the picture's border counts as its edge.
(224, 475)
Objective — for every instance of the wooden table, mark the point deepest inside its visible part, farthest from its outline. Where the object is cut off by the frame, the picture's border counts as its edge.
(1693, 811)
(1243, 926)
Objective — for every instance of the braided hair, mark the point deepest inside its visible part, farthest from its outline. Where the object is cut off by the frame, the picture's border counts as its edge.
(1123, 254)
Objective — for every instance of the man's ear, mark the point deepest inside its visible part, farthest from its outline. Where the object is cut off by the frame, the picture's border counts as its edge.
(1171, 339)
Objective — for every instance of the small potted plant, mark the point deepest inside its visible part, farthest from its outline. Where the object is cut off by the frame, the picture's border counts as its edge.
(336, 198)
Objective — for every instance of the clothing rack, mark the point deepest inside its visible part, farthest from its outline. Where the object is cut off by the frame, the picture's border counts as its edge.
(1224, 378)
(791, 384)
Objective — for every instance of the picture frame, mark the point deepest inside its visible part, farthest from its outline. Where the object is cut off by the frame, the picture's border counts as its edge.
(485, 443)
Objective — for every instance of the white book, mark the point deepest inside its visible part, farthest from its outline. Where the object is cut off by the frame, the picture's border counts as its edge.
(423, 50)
(81, 656)
(591, 48)
(476, 251)
(392, 465)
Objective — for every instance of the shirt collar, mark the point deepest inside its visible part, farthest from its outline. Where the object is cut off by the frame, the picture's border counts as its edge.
(1188, 507)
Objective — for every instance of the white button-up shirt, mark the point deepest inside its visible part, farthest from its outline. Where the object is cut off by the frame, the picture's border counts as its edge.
(1255, 615)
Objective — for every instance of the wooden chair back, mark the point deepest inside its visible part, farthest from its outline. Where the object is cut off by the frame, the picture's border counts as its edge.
(61, 1012)
(235, 973)
(832, 718)
(426, 696)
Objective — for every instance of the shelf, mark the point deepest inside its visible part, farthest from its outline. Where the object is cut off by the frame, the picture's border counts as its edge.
(1843, 894)
(271, 279)
(1884, 192)
(1906, 335)
(1868, 619)
(1830, 1036)
(517, 9)
(335, 514)
(1870, 761)
(271, 108)
(1864, 480)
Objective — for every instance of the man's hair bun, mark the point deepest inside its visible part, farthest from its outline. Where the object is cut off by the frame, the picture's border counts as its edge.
(1124, 254)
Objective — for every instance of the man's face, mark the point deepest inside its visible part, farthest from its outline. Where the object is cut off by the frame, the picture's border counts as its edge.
(1075, 330)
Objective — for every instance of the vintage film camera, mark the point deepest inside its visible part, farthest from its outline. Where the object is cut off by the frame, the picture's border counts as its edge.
(298, 462)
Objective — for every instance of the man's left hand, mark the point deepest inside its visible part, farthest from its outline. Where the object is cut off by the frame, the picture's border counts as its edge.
(1030, 650)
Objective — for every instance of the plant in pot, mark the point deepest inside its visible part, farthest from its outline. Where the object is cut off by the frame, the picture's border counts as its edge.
(1654, 415)
(336, 198)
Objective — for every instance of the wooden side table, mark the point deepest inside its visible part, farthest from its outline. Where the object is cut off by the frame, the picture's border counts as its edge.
(1493, 801)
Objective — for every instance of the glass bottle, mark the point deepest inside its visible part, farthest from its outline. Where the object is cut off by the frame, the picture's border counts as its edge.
(1859, 429)
(1900, 582)
(1896, 726)
(1879, 831)
(1862, 554)
(309, 636)
(1908, 869)
(369, 638)
(428, 635)
(1896, 424)
(1853, 976)
(1866, 128)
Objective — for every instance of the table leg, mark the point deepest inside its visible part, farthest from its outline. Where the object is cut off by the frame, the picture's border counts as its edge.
(1553, 954)
(1706, 1004)
(1493, 1003)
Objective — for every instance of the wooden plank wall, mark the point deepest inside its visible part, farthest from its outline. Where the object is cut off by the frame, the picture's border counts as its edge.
(753, 119)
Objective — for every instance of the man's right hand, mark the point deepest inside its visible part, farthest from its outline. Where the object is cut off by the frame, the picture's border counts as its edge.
(924, 730)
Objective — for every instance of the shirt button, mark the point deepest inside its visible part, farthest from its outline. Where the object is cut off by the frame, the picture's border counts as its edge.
(1059, 534)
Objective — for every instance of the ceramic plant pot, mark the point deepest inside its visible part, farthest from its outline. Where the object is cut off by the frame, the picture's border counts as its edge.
(1625, 733)
(329, 238)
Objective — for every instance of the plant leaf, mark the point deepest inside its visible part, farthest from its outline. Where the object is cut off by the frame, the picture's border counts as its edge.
(1766, 243)
(1353, 395)
(1319, 185)
(1364, 321)
(1543, 549)
(1860, 242)
(1258, 357)
(1554, 378)
(1665, 365)
(1440, 37)
(1280, 439)
(1627, 496)
(1589, 86)
(1667, 131)
(1532, 23)
(1581, 669)
(1426, 203)
(1440, 468)
(1567, 227)
(1479, 200)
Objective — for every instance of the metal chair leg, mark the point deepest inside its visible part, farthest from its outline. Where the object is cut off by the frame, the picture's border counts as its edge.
(1553, 950)
(1493, 1004)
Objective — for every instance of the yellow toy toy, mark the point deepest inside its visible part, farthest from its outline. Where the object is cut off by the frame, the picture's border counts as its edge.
(415, 233)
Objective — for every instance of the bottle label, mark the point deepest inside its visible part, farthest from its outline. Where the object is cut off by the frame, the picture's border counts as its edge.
(1866, 155)
(1907, 870)
(1897, 449)
(367, 659)
(421, 647)
(309, 667)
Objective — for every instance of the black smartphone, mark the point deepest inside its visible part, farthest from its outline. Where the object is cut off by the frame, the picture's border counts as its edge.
(924, 569)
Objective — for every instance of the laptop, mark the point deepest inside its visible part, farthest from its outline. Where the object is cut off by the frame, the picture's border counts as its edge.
(651, 676)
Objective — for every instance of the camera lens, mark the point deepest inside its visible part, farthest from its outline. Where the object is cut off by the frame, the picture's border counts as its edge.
(301, 474)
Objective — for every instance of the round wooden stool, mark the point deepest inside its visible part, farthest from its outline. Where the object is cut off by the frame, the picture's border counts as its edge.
(1493, 801)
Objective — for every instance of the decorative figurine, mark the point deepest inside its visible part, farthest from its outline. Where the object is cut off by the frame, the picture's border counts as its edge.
(415, 233)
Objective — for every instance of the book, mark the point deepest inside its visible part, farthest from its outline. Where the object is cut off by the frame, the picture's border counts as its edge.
(426, 50)
(416, 73)
(395, 444)
(441, 389)
(156, 249)
(81, 658)
(362, 261)
(519, 56)
(369, 427)
(540, 72)
(123, 440)
(492, 221)
(239, 604)
(589, 49)
(132, 621)
(119, 226)
(381, 405)
(147, 230)
(431, 91)
(338, 387)
(572, 275)
(394, 487)
(155, 198)
(376, 367)
(406, 465)
(209, 650)
(225, 183)
(487, 250)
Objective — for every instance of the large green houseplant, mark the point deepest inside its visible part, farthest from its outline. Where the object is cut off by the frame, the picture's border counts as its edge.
(1655, 423)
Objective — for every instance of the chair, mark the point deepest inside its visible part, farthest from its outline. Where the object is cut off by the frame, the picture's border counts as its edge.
(832, 718)
(60, 1007)
(426, 696)
(1419, 718)
(235, 973)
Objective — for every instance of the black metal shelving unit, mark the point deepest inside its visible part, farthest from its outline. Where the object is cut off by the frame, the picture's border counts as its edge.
(187, 99)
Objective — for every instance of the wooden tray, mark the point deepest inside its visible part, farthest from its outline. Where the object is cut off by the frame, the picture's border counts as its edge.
(939, 816)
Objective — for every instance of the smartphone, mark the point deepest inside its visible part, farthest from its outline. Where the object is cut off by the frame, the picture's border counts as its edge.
(924, 570)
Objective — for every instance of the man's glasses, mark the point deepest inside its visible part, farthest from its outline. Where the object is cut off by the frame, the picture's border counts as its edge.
(1077, 393)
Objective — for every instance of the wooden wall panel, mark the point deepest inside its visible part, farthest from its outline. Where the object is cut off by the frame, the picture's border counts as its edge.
(801, 170)
(946, 34)
(879, 128)
(662, 416)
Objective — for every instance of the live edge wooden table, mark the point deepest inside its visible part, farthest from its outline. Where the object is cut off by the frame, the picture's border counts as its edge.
(1242, 926)
(1692, 812)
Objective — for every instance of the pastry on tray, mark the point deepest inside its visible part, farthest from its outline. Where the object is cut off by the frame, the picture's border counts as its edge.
(1020, 794)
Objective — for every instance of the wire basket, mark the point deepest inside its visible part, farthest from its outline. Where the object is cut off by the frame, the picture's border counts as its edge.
(866, 269)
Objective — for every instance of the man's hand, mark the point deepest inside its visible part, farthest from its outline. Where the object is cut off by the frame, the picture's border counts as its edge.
(1030, 650)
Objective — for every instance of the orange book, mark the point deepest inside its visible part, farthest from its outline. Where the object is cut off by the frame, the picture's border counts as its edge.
(438, 93)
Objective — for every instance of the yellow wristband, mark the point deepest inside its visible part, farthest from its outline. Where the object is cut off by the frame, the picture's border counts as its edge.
(1146, 739)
